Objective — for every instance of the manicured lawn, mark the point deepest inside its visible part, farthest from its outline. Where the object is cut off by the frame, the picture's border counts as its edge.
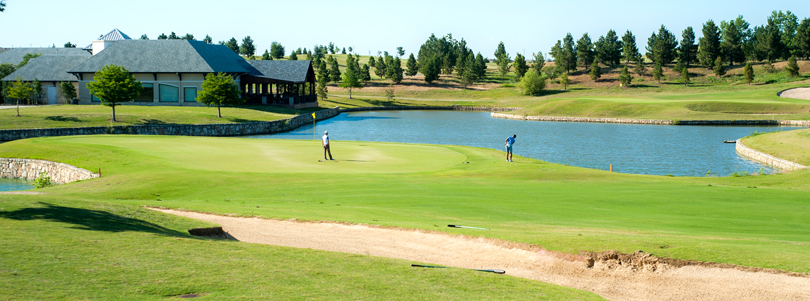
(788, 145)
(758, 221)
(99, 115)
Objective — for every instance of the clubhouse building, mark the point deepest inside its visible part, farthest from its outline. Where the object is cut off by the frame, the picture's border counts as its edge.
(170, 71)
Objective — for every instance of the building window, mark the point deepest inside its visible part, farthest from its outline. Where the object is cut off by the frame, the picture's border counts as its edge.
(169, 93)
(93, 98)
(148, 93)
(190, 94)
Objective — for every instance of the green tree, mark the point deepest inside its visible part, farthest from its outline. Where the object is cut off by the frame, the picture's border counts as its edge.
(37, 93)
(532, 83)
(113, 85)
(247, 48)
(371, 61)
(323, 79)
(803, 39)
(569, 51)
(585, 52)
(685, 76)
(219, 89)
(380, 67)
(430, 68)
(5, 70)
(400, 51)
(520, 65)
(344, 52)
(366, 73)
(719, 69)
(2, 6)
(688, 50)
(69, 45)
(20, 91)
(163, 36)
(233, 45)
(731, 44)
(770, 42)
(412, 66)
(350, 81)
(551, 72)
(27, 57)
(662, 47)
(293, 56)
(208, 39)
(610, 49)
(276, 50)
(67, 91)
(629, 48)
(749, 73)
(640, 69)
(787, 23)
(334, 71)
(658, 72)
(395, 71)
(266, 56)
(539, 62)
(792, 67)
(709, 47)
(564, 81)
(173, 36)
(144, 37)
(189, 37)
(596, 71)
(480, 67)
(502, 59)
(625, 78)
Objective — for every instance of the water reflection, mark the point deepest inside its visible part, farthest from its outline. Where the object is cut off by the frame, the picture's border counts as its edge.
(640, 149)
(15, 184)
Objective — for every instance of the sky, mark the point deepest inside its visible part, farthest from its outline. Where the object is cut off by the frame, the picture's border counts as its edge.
(369, 26)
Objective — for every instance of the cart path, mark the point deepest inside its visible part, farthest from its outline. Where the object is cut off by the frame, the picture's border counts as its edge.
(606, 278)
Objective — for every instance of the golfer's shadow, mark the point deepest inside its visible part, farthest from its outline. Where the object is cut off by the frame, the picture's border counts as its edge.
(86, 219)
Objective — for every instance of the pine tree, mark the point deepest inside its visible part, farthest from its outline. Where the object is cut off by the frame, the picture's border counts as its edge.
(658, 72)
(661, 47)
(323, 71)
(640, 69)
(569, 52)
(323, 79)
(685, 76)
(371, 61)
(520, 65)
(293, 56)
(719, 69)
(208, 39)
(502, 59)
(379, 67)
(792, 67)
(395, 71)
(366, 73)
(411, 65)
(480, 67)
(430, 67)
(276, 50)
(539, 62)
(803, 39)
(585, 53)
(596, 71)
(247, 48)
(709, 48)
(173, 36)
(233, 45)
(629, 48)
(749, 73)
(625, 78)
(611, 49)
(731, 42)
(144, 37)
(687, 50)
(334, 71)
(162, 36)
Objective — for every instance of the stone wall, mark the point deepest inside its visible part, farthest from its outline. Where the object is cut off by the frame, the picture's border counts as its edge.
(767, 159)
(224, 129)
(653, 121)
(29, 169)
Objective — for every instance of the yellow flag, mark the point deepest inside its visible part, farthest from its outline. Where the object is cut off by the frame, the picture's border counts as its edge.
(313, 116)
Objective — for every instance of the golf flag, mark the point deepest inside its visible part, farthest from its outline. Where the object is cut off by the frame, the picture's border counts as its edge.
(313, 116)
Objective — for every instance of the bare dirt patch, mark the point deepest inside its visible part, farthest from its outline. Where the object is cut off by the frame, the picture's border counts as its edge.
(799, 93)
(21, 192)
(616, 276)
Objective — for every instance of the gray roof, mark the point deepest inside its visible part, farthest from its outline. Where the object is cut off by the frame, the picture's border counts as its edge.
(289, 71)
(165, 56)
(115, 35)
(15, 55)
(49, 68)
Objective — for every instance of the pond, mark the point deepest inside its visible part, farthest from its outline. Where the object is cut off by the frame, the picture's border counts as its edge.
(15, 184)
(638, 149)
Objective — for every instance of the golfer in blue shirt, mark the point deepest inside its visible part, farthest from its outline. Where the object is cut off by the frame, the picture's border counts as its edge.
(509, 142)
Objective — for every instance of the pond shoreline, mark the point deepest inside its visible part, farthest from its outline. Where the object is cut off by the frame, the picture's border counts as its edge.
(653, 121)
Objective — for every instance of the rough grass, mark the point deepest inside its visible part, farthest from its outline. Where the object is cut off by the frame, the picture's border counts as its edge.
(789, 145)
(751, 221)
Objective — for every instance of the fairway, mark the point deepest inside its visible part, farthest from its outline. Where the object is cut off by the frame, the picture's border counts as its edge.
(282, 156)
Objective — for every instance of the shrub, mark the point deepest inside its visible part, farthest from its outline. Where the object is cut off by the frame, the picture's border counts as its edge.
(43, 180)
(532, 83)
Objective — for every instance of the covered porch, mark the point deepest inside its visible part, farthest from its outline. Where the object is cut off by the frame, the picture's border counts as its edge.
(280, 83)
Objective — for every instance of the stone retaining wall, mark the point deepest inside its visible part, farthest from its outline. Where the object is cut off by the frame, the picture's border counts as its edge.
(767, 159)
(653, 121)
(29, 169)
(225, 129)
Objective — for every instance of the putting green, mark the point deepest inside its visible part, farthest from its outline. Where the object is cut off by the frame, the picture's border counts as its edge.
(282, 155)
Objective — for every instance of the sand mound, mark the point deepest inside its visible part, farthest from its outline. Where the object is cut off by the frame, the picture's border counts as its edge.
(799, 93)
(613, 275)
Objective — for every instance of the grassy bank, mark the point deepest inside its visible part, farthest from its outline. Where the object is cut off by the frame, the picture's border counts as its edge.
(753, 221)
(790, 145)
(98, 115)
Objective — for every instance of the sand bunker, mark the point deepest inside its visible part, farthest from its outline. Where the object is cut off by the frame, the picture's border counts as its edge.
(799, 93)
(614, 276)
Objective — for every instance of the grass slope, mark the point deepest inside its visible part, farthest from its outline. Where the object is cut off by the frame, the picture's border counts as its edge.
(752, 221)
(788, 145)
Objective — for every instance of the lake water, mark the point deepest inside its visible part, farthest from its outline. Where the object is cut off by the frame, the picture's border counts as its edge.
(639, 149)
(15, 184)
